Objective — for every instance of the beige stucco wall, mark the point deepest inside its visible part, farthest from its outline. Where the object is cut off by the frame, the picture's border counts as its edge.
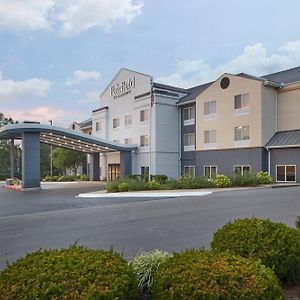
(288, 107)
(226, 119)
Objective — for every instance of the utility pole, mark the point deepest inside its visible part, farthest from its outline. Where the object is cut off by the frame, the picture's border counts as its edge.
(51, 169)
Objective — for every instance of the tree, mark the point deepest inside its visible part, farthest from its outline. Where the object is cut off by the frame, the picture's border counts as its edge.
(68, 159)
(5, 151)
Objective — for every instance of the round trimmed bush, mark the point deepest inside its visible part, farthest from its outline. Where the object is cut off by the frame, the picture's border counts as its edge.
(153, 185)
(206, 275)
(73, 273)
(222, 181)
(274, 244)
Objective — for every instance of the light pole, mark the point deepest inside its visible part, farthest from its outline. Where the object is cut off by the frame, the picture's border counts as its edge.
(51, 123)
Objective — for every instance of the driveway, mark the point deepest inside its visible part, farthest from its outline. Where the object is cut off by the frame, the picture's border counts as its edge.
(56, 218)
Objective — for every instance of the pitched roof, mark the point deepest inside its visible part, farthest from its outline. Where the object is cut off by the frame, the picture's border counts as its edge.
(283, 139)
(194, 92)
(86, 123)
(285, 76)
(169, 87)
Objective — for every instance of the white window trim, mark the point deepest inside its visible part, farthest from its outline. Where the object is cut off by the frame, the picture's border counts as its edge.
(210, 145)
(242, 110)
(189, 121)
(242, 143)
(210, 117)
(210, 166)
(190, 166)
(285, 173)
(189, 147)
(242, 166)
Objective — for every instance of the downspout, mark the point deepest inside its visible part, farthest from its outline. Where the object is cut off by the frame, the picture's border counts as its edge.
(276, 113)
(180, 140)
(269, 161)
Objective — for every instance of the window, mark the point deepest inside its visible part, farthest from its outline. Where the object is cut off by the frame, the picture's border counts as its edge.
(210, 171)
(128, 141)
(242, 133)
(210, 136)
(128, 120)
(189, 141)
(145, 170)
(116, 123)
(241, 103)
(286, 173)
(189, 115)
(210, 107)
(189, 171)
(144, 115)
(242, 169)
(144, 139)
(98, 126)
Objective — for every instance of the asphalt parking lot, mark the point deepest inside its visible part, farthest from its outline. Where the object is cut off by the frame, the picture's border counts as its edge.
(57, 218)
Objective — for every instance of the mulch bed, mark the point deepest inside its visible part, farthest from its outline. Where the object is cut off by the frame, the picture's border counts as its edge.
(292, 293)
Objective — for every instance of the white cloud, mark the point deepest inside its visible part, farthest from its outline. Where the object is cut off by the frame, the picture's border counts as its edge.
(80, 15)
(255, 60)
(80, 76)
(13, 89)
(68, 17)
(29, 14)
(91, 97)
(40, 114)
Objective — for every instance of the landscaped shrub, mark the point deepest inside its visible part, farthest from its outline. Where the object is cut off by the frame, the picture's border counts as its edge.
(145, 265)
(274, 244)
(73, 273)
(122, 187)
(263, 178)
(207, 275)
(66, 178)
(247, 179)
(297, 222)
(112, 186)
(222, 181)
(159, 178)
(153, 185)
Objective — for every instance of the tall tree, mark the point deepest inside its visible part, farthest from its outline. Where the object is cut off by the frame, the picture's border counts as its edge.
(68, 159)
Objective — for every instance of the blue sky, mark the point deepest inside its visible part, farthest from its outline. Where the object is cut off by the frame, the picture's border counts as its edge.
(56, 56)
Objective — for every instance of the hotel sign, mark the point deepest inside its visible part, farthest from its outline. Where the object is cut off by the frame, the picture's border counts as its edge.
(123, 88)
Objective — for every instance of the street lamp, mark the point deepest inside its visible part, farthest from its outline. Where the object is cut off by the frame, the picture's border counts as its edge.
(51, 123)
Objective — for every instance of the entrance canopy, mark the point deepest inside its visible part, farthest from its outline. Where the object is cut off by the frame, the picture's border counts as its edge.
(32, 134)
(65, 138)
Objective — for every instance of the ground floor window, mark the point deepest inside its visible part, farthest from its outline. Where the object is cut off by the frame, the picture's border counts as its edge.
(242, 169)
(286, 173)
(145, 170)
(113, 171)
(189, 171)
(210, 171)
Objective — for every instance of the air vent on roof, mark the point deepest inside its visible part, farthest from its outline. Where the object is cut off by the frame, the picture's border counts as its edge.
(225, 83)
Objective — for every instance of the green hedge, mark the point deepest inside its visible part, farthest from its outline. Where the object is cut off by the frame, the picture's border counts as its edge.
(274, 244)
(73, 273)
(207, 275)
(66, 178)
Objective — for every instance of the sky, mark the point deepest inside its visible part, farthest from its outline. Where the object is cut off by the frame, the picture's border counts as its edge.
(56, 56)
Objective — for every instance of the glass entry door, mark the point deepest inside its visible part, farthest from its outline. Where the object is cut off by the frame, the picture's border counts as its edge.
(113, 172)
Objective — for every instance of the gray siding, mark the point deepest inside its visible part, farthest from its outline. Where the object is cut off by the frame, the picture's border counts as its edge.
(188, 158)
(287, 156)
(225, 160)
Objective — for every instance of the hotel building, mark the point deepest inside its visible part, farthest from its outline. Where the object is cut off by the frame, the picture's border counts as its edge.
(235, 123)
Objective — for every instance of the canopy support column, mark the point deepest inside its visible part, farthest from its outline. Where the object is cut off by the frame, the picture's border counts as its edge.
(31, 160)
(125, 163)
(94, 167)
(12, 158)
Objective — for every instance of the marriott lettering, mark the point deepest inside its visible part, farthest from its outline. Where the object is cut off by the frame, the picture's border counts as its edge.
(123, 88)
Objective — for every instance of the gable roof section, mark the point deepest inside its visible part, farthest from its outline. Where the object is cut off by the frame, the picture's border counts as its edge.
(285, 76)
(169, 87)
(194, 92)
(285, 139)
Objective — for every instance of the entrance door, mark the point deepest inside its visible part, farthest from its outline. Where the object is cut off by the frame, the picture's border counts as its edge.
(113, 171)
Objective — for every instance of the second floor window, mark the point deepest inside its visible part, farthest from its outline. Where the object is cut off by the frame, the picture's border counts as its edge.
(116, 123)
(144, 140)
(242, 133)
(189, 141)
(144, 115)
(128, 120)
(210, 136)
(98, 126)
(128, 141)
(189, 115)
